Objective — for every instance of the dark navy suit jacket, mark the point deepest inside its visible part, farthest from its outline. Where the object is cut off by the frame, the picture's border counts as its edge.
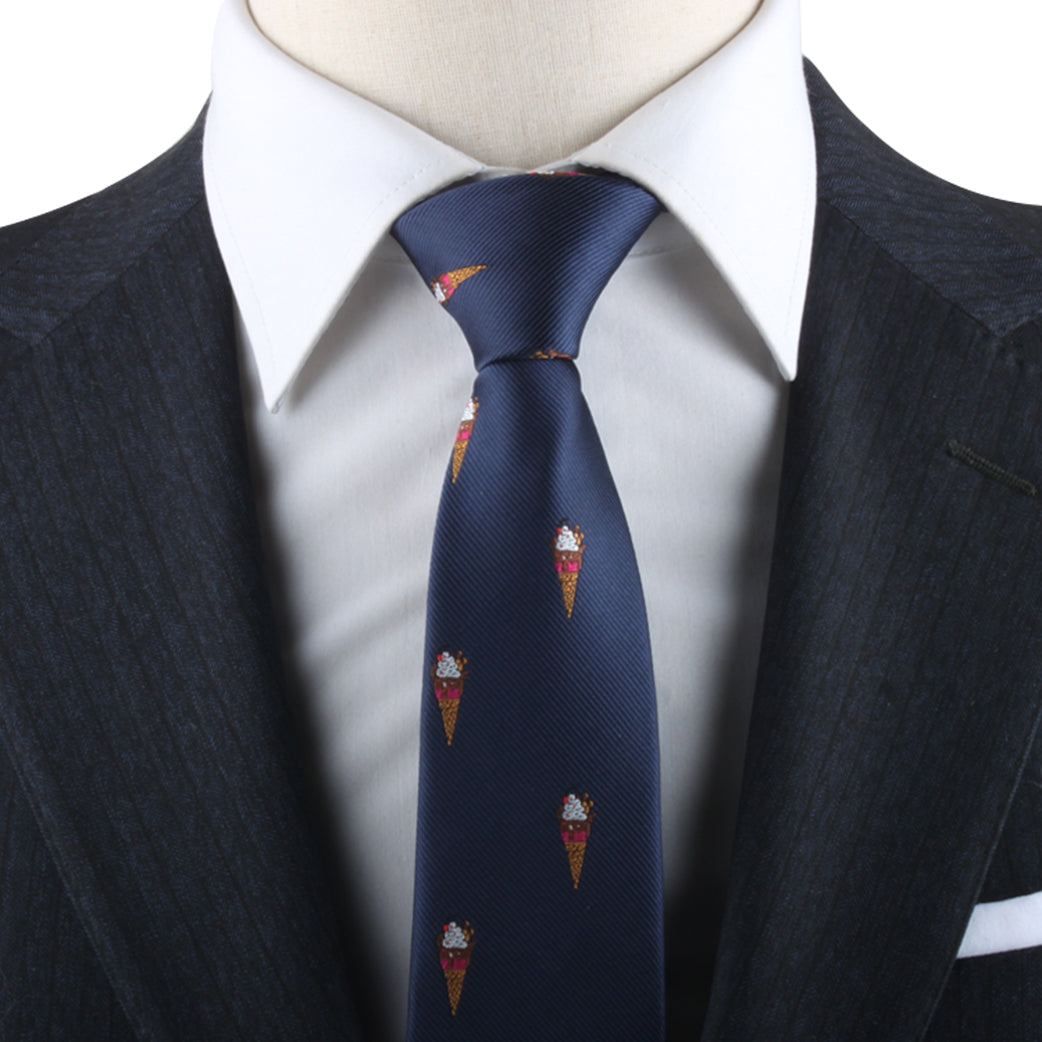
(162, 870)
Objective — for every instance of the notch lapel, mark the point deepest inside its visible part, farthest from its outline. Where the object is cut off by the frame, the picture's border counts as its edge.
(141, 696)
(897, 695)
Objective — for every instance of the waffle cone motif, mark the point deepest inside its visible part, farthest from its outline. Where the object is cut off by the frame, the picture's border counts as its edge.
(569, 547)
(449, 674)
(449, 715)
(445, 285)
(576, 856)
(466, 426)
(575, 819)
(454, 950)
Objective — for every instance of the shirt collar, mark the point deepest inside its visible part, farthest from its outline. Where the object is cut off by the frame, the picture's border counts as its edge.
(304, 178)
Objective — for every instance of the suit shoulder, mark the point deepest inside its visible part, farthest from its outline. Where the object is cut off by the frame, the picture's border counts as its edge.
(982, 254)
(53, 265)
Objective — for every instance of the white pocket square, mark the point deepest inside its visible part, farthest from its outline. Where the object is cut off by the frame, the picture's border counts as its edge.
(1003, 926)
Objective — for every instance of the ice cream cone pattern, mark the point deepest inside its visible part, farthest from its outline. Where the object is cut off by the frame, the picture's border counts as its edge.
(445, 285)
(569, 547)
(454, 949)
(448, 674)
(575, 817)
(466, 425)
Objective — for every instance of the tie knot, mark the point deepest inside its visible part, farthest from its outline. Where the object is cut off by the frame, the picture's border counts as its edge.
(519, 261)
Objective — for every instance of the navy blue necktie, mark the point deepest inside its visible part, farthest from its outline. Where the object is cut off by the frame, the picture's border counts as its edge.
(538, 906)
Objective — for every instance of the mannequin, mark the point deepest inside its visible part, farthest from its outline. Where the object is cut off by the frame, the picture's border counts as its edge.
(514, 85)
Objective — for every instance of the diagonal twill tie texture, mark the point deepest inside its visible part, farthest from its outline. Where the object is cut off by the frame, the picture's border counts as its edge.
(538, 906)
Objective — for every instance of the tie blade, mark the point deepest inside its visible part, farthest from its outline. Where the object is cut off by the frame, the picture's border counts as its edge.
(534, 577)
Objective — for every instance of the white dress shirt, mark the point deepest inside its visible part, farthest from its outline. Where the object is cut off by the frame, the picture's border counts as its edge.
(354, 382)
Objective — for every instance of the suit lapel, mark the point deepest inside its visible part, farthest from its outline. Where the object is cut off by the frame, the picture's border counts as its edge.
(897, 695)
(141, 698)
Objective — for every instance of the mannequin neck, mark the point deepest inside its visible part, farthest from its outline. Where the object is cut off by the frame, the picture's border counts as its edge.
(514, 84)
